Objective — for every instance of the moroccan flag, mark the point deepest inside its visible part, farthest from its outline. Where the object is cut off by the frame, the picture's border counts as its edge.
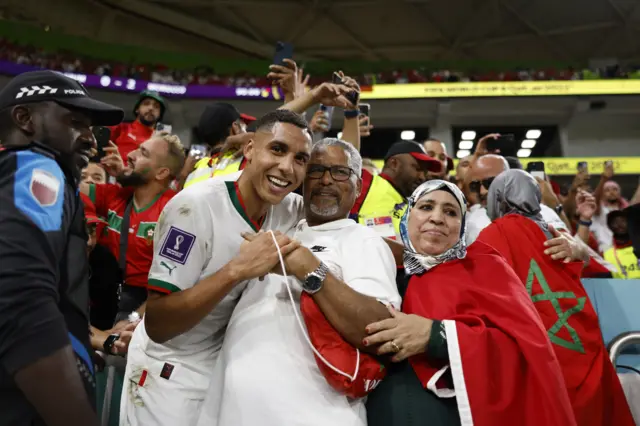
(501, 368)
(569, 318)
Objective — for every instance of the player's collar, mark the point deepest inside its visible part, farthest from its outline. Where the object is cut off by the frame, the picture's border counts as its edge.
(238, 203)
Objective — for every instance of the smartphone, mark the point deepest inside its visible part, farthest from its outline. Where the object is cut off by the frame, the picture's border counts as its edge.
(328, 113)
(365, 109)
(351, 96)
(103, 136)
(504, 143)
(608, 164)
(583, 166)
(198, 151)
(536, 169)
(161, 127)
(283, 51)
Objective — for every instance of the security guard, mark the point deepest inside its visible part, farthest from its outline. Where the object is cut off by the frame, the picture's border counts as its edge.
(621, 254)
(218, 122)
(382, 201)
(46, 370)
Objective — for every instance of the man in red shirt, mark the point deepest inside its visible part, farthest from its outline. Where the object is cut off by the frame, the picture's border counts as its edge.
(144, 187)
(149, 110)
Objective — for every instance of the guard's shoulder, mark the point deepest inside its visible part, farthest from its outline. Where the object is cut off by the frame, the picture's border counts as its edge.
(38, 188)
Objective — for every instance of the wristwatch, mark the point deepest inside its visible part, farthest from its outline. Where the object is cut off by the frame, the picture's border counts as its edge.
(313, 280)
(108, 343)
(559, 209)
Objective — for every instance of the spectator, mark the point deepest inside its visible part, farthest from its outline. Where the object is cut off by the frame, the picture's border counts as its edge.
(219, 122)
(464, 314)
(383, 196)
(93, 173)
(149, 110)
(621, 253)
(544, 260)
(608, 198)
(353, 274)
(438, 150)
(139, 201)
(46, 372)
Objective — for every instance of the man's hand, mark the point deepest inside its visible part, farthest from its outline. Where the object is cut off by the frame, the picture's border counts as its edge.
(112, 161)
(258, 254)
(365, 126)
(330, 94)
(319, 122)
(286, 76)
(585, 205)
(580, 180)
(350, 83)
(481, 147)
(236, 144)
(563, 246)
(298, 263)
(403, 335)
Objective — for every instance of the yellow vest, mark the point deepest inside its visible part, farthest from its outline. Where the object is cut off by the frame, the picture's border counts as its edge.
(382, 200)
(221, 166)
(625, 262)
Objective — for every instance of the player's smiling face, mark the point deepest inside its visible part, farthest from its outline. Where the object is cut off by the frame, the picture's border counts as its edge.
(278, 161)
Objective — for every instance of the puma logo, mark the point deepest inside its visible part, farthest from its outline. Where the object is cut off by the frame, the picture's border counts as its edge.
(168, 267)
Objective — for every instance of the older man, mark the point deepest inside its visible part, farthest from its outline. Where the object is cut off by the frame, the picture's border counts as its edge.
(267, 371)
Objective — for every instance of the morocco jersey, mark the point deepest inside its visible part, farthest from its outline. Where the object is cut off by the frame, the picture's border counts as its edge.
(199, 232)
(111, 201)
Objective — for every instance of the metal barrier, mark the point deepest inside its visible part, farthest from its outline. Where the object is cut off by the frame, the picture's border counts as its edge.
(620, 342)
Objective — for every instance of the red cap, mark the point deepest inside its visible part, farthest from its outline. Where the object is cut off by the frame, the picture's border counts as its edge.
(417, 152)
(247, 118)
(449, 164)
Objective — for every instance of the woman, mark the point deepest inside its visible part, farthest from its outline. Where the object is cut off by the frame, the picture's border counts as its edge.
(546, 269)
(468, 347)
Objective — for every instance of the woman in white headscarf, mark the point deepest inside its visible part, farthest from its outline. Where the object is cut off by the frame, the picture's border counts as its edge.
(543, 259)
(468, 347)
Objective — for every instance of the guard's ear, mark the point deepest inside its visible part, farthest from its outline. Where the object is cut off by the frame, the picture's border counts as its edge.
(22, 117)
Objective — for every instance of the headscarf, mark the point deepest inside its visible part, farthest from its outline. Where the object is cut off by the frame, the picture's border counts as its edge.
(515, 192)
(416, 263)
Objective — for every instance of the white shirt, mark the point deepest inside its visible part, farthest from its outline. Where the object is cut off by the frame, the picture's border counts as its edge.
(478, 219)
(199, 232)
(601, 230)
(269, 376)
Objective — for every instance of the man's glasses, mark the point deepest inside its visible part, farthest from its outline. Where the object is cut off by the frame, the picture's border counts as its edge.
(475, 185)
(338, 173)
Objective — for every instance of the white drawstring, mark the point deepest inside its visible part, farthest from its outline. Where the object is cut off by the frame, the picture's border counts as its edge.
(302, 327)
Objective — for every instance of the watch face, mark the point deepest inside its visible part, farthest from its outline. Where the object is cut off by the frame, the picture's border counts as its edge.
(313, 282)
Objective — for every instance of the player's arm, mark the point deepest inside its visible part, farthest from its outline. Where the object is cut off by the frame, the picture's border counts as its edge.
(178, 300)
(35, 348)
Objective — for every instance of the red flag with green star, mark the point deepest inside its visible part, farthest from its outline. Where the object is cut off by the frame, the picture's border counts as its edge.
(571, 322)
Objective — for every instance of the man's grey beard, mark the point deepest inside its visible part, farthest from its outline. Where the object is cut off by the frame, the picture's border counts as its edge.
(324, 211)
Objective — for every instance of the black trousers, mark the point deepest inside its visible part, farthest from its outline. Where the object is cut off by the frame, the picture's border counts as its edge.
(131, 298)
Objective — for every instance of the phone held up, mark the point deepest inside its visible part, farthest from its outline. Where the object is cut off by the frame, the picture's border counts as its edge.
(536, 169)
(365, 109)
(197, 151)
(502, 144)
(283, 51)
(583, 167)
(328, 114)
(352, 96)
(103, 136)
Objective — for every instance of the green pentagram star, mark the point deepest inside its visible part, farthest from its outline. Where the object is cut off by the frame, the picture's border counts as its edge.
(563, 316)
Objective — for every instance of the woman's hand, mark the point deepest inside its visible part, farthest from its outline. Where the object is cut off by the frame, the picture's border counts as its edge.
(403, 335)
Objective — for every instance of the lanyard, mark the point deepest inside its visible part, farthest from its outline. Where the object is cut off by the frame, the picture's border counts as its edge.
(622, 268)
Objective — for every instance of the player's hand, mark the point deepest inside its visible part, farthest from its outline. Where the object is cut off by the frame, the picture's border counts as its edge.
(330, 94)
(319, 122)
(112, 161)
(258, 254)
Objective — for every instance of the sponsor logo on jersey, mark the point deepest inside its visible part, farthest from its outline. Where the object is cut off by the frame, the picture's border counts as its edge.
(169, 268)
(44, 187)
(177, 245)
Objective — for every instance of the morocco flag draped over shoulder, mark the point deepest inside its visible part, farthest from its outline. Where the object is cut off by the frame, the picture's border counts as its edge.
(569, 318)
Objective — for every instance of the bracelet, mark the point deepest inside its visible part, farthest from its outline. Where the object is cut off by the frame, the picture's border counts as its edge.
(351, 113)
(586, 223)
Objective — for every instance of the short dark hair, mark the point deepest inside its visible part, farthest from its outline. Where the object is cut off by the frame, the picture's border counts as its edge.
(514, 163)
(267, 121)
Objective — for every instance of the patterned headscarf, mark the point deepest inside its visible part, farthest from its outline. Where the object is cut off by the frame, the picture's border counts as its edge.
(417, 263)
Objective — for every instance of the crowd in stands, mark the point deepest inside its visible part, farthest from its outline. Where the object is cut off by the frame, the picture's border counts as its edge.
(206, 75)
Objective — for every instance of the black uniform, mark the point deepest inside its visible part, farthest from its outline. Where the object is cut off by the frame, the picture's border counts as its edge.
(44, 293)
